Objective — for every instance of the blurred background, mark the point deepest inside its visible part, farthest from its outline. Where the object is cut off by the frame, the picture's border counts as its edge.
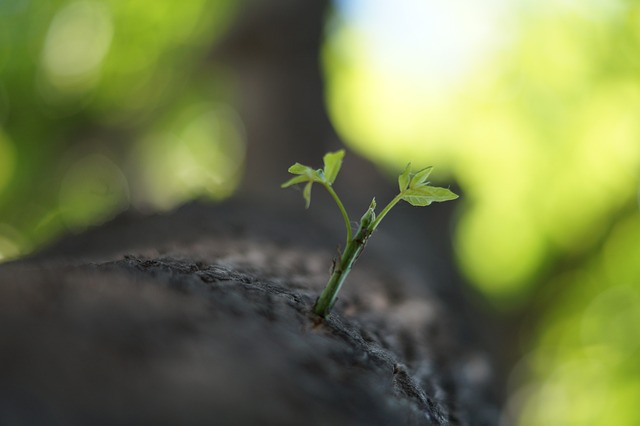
(531, 108)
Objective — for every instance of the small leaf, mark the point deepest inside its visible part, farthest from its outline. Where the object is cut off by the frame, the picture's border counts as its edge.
(294, 180)
(425, 195)
(307, 194)
(403, 179)
(420, 177)
(332, 165)
(305, 174)
(299, 169)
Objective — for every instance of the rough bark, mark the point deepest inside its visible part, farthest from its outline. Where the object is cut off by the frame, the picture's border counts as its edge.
(203, 316)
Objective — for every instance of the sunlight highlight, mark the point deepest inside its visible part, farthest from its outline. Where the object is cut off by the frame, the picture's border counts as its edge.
(77, 42)
(541, 132)
(199, 152)
(438, 39)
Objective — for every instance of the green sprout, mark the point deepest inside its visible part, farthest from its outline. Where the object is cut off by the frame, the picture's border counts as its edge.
(414, 189)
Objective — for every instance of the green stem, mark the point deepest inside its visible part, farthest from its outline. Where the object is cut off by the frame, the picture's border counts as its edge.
(351, 252)
(384, 212)
(345, 216)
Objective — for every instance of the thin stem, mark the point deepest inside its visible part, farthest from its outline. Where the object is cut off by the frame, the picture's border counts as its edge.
(384, 212)
(342, 268)
(345, 216)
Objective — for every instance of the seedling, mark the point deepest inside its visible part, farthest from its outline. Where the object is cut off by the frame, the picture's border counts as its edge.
(414, 189)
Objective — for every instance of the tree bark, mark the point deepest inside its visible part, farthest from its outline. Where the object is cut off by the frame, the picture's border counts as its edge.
(203, 316)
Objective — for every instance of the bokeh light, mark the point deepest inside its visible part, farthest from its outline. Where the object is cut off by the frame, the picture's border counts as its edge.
(84, 85)
(198, 151)
(77, 42)
(92, 190)
(522, 128)
(7, 160)
(532, 107)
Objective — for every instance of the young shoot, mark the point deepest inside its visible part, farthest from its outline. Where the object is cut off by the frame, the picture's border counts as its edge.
(414, 189)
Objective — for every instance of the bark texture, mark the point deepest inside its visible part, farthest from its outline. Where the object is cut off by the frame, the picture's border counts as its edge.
(202, 316)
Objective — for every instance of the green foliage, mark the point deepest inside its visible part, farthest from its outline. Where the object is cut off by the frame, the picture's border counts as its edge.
(403, 179)
(332, 164)
(414, 189)
(326, 176)
(546, 147)
(125, 85)
(418, 192)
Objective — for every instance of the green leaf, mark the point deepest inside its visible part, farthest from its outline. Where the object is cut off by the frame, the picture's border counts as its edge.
(305, 174)
(425, 195)
(403, 179)
(332, 165)
(300, 169)
(294, 180)
(307, 194)
(420, 177)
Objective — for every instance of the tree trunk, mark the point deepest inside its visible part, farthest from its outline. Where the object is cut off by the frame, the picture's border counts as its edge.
(203, 316)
